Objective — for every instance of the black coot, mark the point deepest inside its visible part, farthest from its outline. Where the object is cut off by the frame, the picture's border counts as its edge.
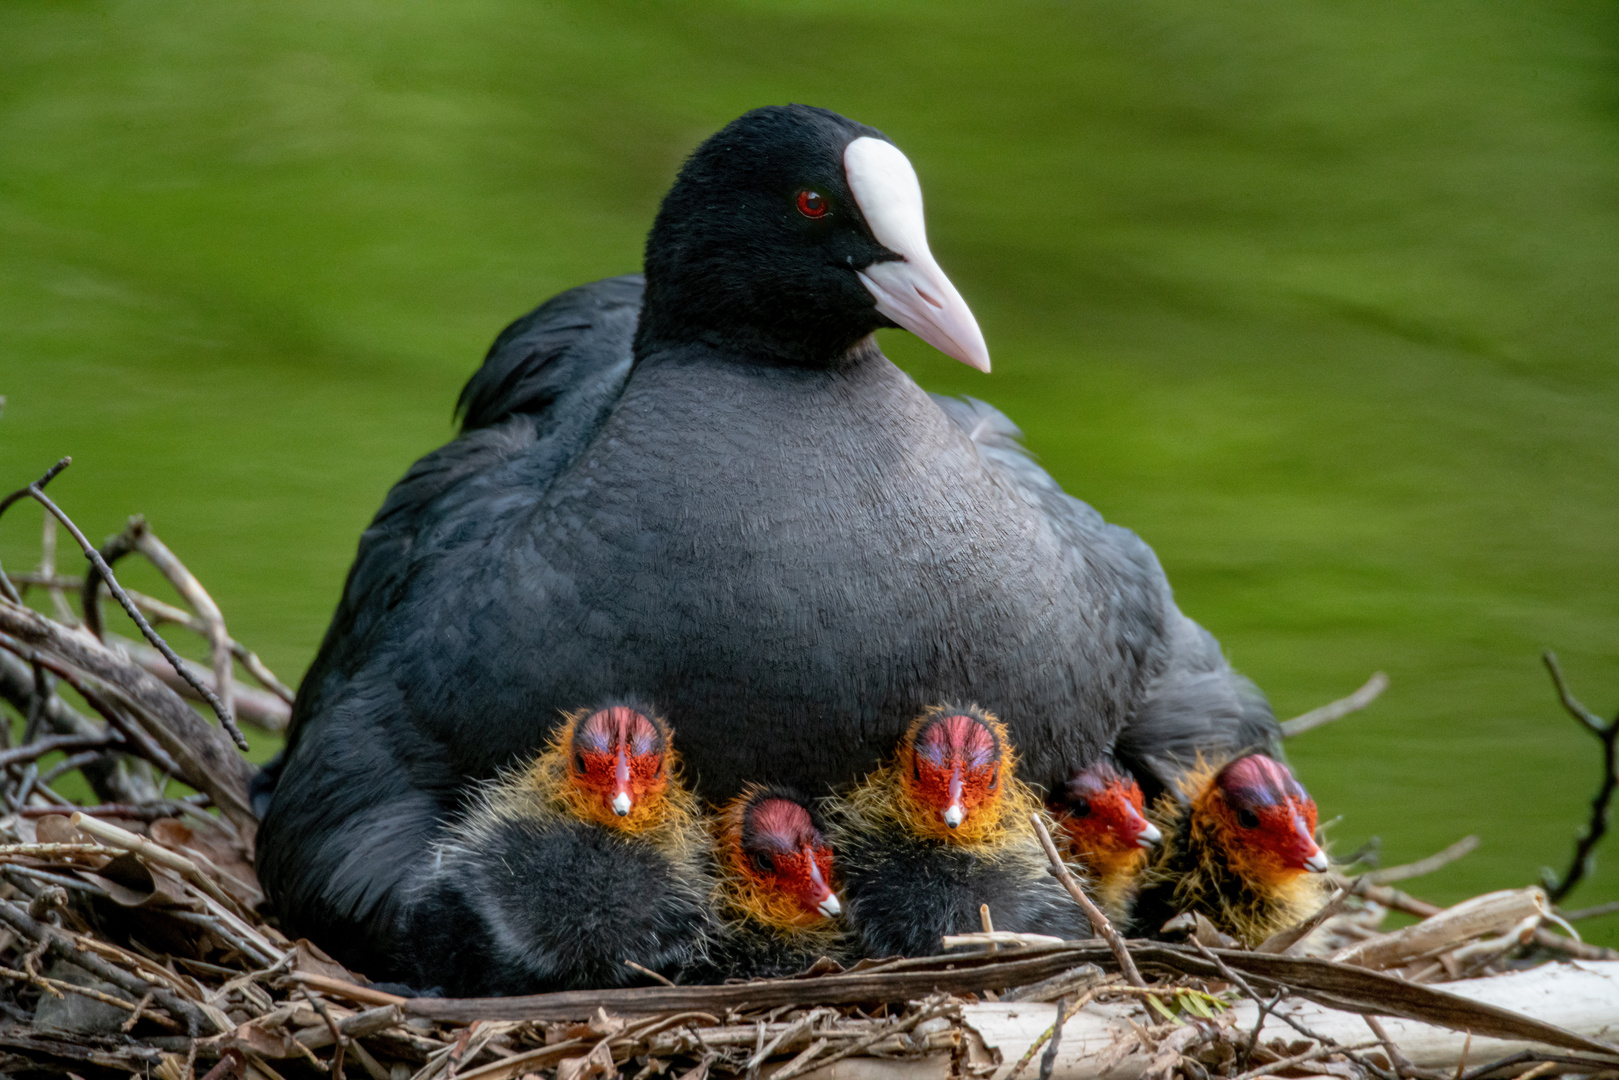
(746, 516)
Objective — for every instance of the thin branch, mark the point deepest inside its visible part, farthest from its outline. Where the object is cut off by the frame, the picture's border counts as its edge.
(1336, 710)
(138, 536)
(33, 489)
(1281, 942)
(102, 568)
(51, 743)
(160, 612)
(1596, 912)
(1099, 922)
(1465, 846)
(1607, 734)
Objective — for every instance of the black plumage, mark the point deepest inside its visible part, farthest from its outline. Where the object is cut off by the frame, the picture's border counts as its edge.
(748, 513)
(911, 874)
(545, 884)
(1195, 709)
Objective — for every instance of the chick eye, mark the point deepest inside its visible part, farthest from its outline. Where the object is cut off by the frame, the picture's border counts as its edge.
(765, 864)
(579, 763)
(1248, 819)
(811, 204)
(1082, 808)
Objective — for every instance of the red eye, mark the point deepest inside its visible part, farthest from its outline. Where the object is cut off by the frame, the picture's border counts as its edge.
(811, 205)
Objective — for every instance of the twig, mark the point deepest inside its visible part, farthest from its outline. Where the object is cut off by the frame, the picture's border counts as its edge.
(62, 946)
(1336, 710)
(159, 612)
(1597, 911)
(60, 986)
(1286, 939)
(1099, 922)
(339, 1043)
(1402, 1064)
(1465, 846)
(1048, 1060)
(49, 744)
(35, 491)
(924, 1013)
(1325, 1050)
(1607, 734)
(6, 586)
(649, 973)
(1065, 1013)
(186, 584)
(210, 764)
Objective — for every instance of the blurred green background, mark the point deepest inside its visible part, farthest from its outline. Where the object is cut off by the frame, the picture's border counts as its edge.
(1322, 299)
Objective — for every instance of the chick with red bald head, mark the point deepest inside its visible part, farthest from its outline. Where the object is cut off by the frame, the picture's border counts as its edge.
(777, 896)
(939, 830)
(590, 856)
(1241, 851)
(1102, 816)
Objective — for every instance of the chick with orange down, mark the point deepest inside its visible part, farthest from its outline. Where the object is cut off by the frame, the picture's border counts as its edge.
(1101, 814)
(590, 856)
(939, 830)
(1242, 852)
(776, 898)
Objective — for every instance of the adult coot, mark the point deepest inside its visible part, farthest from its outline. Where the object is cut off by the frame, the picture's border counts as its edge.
(720, 498)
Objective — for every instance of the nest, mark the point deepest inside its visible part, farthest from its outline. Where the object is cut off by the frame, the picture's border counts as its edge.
(134, 940)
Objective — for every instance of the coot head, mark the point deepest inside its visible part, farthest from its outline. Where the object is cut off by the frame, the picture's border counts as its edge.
(1263, 819)
(617, 765)
(789, 236)
(952, 761)
(776, 845)
(1101, 810)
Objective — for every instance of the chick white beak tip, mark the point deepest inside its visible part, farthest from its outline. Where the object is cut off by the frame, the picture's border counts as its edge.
(831, 906)
(1317, 863)
(621, 804)
(1148, 836)
(954, 816)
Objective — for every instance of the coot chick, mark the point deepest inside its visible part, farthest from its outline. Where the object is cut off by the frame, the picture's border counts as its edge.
(940, 830)
(562, 871)
(1101, 813)
(1242, 852)
(778, 909)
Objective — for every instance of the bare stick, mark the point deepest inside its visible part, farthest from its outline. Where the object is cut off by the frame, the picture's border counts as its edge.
(261, 708)
(210, 764)
(138, 537)
(1299, 1059)
(62, 946)
(1607, 734)
(6, 586)
(1596, 912)
(35, 491)
(1286, 939)
(1336, 710)
(159, 612)
(1099, 923)
(1465, 846)
(51, 743)
(1065, 1013)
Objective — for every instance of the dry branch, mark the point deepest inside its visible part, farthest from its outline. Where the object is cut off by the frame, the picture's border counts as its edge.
(1607, 734)
(205, 761)
(1099, 922)
(1336, 710)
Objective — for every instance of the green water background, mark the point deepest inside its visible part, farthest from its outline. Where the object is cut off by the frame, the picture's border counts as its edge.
(1319, 298)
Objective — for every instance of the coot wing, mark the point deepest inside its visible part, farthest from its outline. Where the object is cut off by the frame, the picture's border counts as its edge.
(541, 393)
